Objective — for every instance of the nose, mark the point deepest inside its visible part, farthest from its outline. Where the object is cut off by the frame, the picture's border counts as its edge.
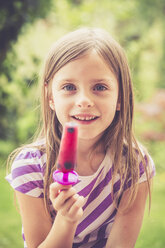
(84, 101)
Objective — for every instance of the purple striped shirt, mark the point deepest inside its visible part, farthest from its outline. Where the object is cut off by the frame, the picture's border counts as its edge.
(99, 212)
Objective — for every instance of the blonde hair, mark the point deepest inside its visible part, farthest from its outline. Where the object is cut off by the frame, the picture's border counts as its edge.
(119, 135)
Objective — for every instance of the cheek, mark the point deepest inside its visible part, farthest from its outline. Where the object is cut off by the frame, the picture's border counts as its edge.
(109, 106)
(62, 109)
(109, 111)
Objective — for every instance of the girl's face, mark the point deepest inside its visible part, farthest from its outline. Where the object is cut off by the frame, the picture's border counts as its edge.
(85, 91)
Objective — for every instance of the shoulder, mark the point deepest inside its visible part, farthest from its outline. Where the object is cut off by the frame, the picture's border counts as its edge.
(27, 171)
(146, 164)
(143, 160)
(29, 158)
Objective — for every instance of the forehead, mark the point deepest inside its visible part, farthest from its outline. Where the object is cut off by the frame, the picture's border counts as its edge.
(85, 73)
(90, 64)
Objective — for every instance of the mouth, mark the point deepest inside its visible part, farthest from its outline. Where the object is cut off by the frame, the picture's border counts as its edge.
(86, 119)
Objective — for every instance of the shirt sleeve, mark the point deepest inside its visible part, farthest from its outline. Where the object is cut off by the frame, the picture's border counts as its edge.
(150, 169)
(145, 172)
(27, 173)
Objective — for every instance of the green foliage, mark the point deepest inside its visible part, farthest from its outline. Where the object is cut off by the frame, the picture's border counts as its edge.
(13, 15)
(139, 25)
(141, 35)
(15, 86)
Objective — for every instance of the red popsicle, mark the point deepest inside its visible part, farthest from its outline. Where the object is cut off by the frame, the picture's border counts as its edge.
(66, 162)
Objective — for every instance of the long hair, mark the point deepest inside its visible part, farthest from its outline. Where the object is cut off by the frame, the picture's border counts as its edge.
(119, 135)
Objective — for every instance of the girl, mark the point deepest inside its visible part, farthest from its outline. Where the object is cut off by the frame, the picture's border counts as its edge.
(86, 80)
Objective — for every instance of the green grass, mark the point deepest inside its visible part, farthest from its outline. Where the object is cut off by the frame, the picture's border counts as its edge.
(10, 228)
(152, 234)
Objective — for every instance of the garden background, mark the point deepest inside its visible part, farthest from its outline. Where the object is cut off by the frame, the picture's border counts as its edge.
(27, 30)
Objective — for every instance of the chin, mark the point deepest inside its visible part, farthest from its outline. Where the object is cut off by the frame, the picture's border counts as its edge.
(88, 136)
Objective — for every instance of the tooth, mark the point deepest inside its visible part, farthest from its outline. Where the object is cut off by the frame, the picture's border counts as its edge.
(84, 118)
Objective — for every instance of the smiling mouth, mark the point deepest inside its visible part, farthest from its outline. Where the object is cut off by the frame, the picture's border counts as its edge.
(85, 118)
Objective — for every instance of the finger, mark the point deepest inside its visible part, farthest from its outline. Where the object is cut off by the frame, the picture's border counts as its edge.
(76, 208)
(62, 198)
(64, 195)
(68, 204)
(55, 188)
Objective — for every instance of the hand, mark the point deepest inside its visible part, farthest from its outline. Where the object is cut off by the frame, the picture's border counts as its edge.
(66, 202)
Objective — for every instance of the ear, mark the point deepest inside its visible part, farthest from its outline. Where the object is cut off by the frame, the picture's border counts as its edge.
(118, 106)
(51, 104)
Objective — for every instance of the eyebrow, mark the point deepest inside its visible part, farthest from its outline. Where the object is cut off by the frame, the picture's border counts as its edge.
(102, 80)
(97, 80)
(66, 80)
(107, 80)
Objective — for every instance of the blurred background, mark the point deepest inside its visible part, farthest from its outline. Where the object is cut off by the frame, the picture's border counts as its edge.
(27, 30)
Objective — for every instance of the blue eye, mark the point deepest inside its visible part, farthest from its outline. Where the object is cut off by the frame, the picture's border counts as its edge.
(99, 87)
(69, 87)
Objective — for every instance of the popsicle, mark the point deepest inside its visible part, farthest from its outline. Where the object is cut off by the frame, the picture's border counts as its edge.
(66, 162)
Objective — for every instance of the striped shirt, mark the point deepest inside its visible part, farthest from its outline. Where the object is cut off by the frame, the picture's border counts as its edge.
(27, 175)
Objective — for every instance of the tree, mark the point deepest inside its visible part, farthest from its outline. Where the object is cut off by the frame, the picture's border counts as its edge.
(14, 14)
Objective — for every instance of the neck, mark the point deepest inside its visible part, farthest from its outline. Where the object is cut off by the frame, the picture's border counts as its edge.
(88, 159)
(86, 147)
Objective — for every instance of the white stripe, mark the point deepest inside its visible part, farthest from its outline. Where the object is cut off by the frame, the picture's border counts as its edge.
(93, 205)
(43, 158)
(18, 181)
(150, 169)
(35, 192)
(85, 181)
(29, 161)
(98, 200)
(25, 162)
(95, 224)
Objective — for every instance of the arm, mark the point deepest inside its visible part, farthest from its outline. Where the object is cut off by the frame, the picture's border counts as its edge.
(38, 229)
(127, 225)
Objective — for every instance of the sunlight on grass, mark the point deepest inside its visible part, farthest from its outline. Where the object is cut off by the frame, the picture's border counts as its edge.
(10, 228)
(153, 229)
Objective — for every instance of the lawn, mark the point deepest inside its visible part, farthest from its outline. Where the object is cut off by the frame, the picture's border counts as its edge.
(10, 228)
(152, 234)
